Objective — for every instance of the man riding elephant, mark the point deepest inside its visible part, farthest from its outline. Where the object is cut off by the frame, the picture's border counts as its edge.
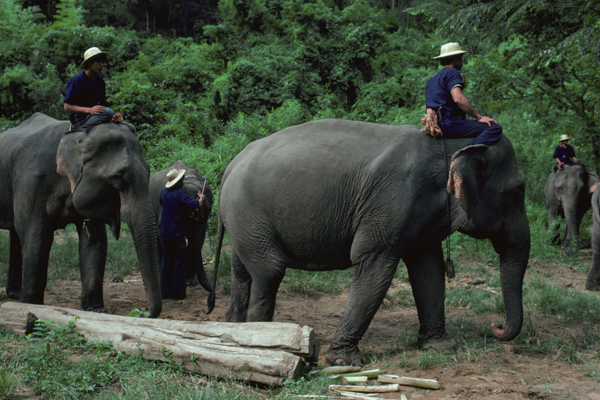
(85, 99)
(446, 106)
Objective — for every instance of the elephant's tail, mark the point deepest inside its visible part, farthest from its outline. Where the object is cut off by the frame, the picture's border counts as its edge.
(220, 234)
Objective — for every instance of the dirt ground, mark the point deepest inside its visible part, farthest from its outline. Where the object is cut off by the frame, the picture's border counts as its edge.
(506, 374)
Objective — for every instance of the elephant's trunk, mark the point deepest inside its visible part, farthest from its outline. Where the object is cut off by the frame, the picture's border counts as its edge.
(513, 248)
(572, 216)
(142, 224)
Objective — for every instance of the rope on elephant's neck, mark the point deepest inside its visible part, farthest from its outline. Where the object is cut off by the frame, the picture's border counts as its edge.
(450, 273)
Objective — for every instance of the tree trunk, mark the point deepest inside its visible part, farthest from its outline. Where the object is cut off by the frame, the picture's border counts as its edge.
(263, 352)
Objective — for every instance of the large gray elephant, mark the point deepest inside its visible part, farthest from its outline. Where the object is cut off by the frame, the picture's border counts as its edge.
(593, 279)
(51, 178)
(568, 193)
(196, 229)
(336, 194)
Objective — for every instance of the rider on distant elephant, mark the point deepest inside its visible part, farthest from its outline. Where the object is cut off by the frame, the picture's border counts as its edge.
(446, 106)
(564, 154)
(85, 99)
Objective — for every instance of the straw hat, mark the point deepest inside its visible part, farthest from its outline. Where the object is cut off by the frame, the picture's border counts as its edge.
(564, 137)
(174, 176)
(450, 49)
(91, 52)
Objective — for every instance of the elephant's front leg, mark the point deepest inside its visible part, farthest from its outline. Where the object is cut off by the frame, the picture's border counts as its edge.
(36, 242)
(427, 277)
(92, 261)
(371, 280)
(15, 267)
(593, 279)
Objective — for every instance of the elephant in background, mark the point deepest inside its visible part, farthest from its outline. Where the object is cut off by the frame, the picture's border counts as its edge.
(196, 229)
(568, 193)
(337, 194)
(51, 178)
(593, 279)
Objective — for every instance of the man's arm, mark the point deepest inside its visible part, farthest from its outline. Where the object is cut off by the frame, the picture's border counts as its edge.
(83, 110)
(464, 104)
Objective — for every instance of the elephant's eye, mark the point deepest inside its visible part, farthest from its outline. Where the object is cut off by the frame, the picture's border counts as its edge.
(118, 181)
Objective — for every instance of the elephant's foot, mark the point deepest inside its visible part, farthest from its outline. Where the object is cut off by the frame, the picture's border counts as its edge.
(191, 281)
(13, 294)
(101, 310)
(344, 352)
(437, 341)
(592, 285)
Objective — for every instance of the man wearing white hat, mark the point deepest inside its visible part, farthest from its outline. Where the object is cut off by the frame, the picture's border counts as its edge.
(444, 95)
(85, 99)
(564, 154)
(176, 208)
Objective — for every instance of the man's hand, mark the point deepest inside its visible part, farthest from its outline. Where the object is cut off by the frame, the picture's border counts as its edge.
(117, 117)
(576, 159)
(97, 110)
(486, 120)
(560, 165)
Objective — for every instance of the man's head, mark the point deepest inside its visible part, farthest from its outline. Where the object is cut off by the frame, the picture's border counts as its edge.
(451, 55)
(564, 139)
(175, 178)
(92, 56)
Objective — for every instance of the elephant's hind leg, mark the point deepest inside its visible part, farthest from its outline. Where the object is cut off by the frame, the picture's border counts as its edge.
(241, 282)
(427, 277)
(15, 268)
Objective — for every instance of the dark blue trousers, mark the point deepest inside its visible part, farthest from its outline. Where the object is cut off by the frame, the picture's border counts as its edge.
(172, 271)
(482, 133)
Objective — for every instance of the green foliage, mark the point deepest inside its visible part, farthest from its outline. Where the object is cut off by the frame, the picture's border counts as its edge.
(6, 383)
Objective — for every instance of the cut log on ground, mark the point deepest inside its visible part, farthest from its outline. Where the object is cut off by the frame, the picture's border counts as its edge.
(19, 322)
(263, 352)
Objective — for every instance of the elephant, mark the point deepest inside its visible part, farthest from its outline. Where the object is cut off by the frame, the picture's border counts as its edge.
(196, 230)
(568, 193)
(593, 279)
(52, 177)
(335, 194)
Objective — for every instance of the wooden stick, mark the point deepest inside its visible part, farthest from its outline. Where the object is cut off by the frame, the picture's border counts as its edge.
(407, 381)
(337, 369)
(367, 389)
(361, 396)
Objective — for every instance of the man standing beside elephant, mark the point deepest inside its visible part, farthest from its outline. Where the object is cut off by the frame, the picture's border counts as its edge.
(85, 98)
(444, 97)
(176, 208)
(564, 154)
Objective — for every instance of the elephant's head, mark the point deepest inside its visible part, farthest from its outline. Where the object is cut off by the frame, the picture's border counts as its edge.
(491, 191)
(109, 180)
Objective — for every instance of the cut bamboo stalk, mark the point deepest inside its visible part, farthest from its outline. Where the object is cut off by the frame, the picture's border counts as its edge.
(372, 373)
(353, 380)
(366, 389)
(337, 369)
(360, 396)
(407, 381)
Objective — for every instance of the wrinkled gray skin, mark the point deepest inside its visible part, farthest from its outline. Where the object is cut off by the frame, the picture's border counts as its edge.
(568, 193)
(593, 278)
(196, 230)
(51, 179)
(336, 194)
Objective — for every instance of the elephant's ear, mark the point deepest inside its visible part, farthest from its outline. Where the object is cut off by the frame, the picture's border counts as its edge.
(592, 181)
(466, 178)
(69, 157)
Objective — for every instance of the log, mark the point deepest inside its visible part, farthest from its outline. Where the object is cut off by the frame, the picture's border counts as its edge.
(19, 322)
(259, 352)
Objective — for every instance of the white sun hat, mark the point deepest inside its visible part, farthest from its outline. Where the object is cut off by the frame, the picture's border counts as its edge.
(450, 49)
(174, 176)
(91, 52)
(564, 137)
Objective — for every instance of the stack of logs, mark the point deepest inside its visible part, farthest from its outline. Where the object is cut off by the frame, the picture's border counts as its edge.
(262, 352)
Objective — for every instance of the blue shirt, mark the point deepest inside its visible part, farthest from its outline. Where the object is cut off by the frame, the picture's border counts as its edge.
(564, 154)
(176, 208)
(437, 94)
(85, 92)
